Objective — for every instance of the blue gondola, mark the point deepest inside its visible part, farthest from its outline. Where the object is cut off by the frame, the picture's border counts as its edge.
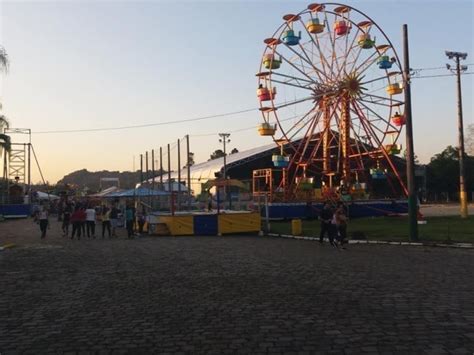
(290, 38)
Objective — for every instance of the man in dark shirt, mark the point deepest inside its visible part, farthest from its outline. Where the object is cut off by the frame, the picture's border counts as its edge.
(114, 214)
(326, 217)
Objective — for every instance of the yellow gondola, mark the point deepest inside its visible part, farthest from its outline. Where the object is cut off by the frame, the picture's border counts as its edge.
(266, 129)
(394, 89)
(314, 26)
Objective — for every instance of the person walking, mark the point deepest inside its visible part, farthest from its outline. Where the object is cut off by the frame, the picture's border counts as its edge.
(141, 221)
(43, 221)
(341, 224)
(114, 214)
(66, 220)
(76, 223)
(326, 228)
(82, 220)
(90, 222)
(105, 221)
(129, 221)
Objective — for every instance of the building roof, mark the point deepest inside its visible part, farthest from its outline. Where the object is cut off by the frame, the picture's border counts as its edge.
(206, 170)
(140, 192)
(106, 191)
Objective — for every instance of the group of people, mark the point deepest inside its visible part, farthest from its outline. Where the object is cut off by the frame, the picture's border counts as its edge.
(83, 219)
(334, 224)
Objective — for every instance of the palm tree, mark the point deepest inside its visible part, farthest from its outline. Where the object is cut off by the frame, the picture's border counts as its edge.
(4, 123)
(5, 145)
(3, 59)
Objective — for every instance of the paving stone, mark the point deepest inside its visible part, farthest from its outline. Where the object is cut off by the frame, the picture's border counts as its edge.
(233, 294)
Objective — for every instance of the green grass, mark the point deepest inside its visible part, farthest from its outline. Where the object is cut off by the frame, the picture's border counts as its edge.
(445, 229)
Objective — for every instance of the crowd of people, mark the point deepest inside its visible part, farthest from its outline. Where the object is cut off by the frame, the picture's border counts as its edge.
(81, 219)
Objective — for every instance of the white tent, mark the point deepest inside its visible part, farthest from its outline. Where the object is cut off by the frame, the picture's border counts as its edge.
(44, 196)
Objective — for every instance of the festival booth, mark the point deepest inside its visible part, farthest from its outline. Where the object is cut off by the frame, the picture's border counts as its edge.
(208, 223)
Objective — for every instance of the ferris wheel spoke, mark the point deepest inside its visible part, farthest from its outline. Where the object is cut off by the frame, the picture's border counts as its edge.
(348, 50)
(298, 126)
(327, 129)
(382, 98)
(366, 64)
(375, 103)
(294, 66)
(286, 104)
(308, 136)
(306, 59)
(387, 122)
(285, 134)
(290, 84)
(332, 40)
(360, 48)
(316, 44)
(384, 152)
(295, 78)
(365, 123)
(358, 142)
(374, 80)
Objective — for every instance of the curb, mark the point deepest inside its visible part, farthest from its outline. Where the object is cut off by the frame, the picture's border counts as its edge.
(413, 244)
(7, 246)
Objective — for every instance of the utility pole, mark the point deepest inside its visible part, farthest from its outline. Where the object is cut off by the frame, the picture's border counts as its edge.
(170, 190)
(188, 166)
(457, 56)
(146, 166)
(141, 168)
(179, 175)
(412, 199)
(161, 168)
(225, 139)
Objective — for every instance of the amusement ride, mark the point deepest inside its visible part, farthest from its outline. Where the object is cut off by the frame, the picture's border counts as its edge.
(330, 90)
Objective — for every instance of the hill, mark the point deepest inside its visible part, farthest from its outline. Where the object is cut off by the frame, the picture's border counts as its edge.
(91, 179)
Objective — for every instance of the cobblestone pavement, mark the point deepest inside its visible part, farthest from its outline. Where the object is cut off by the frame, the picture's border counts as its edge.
(222, 295)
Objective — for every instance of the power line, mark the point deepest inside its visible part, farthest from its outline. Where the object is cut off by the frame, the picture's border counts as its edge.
(434, 68)
(439, 76)
(148, 124)
(226, 114)
(240, 129)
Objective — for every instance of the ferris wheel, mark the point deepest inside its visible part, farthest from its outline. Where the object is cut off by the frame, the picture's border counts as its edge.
(329, 88)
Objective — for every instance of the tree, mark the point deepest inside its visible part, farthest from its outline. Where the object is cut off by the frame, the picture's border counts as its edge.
(4, 123)
(4, 63)
(443, 171)
(233, 151)
(217, 154)
(5, 147)
(3, 67)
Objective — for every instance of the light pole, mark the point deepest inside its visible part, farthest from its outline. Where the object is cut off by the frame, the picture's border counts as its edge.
(224, 139)
(457, 56)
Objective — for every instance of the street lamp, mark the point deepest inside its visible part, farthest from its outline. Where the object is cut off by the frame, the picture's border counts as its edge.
(457, 56)
(224, 139)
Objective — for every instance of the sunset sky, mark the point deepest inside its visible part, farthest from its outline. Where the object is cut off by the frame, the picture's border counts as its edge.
(96, 64)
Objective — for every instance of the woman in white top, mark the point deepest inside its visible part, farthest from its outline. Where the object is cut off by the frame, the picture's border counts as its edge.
(90, 222)
(43, 221)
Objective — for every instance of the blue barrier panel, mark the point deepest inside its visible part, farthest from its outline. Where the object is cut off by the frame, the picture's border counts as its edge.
(15, 211)
(356, 209)
(205, 224)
